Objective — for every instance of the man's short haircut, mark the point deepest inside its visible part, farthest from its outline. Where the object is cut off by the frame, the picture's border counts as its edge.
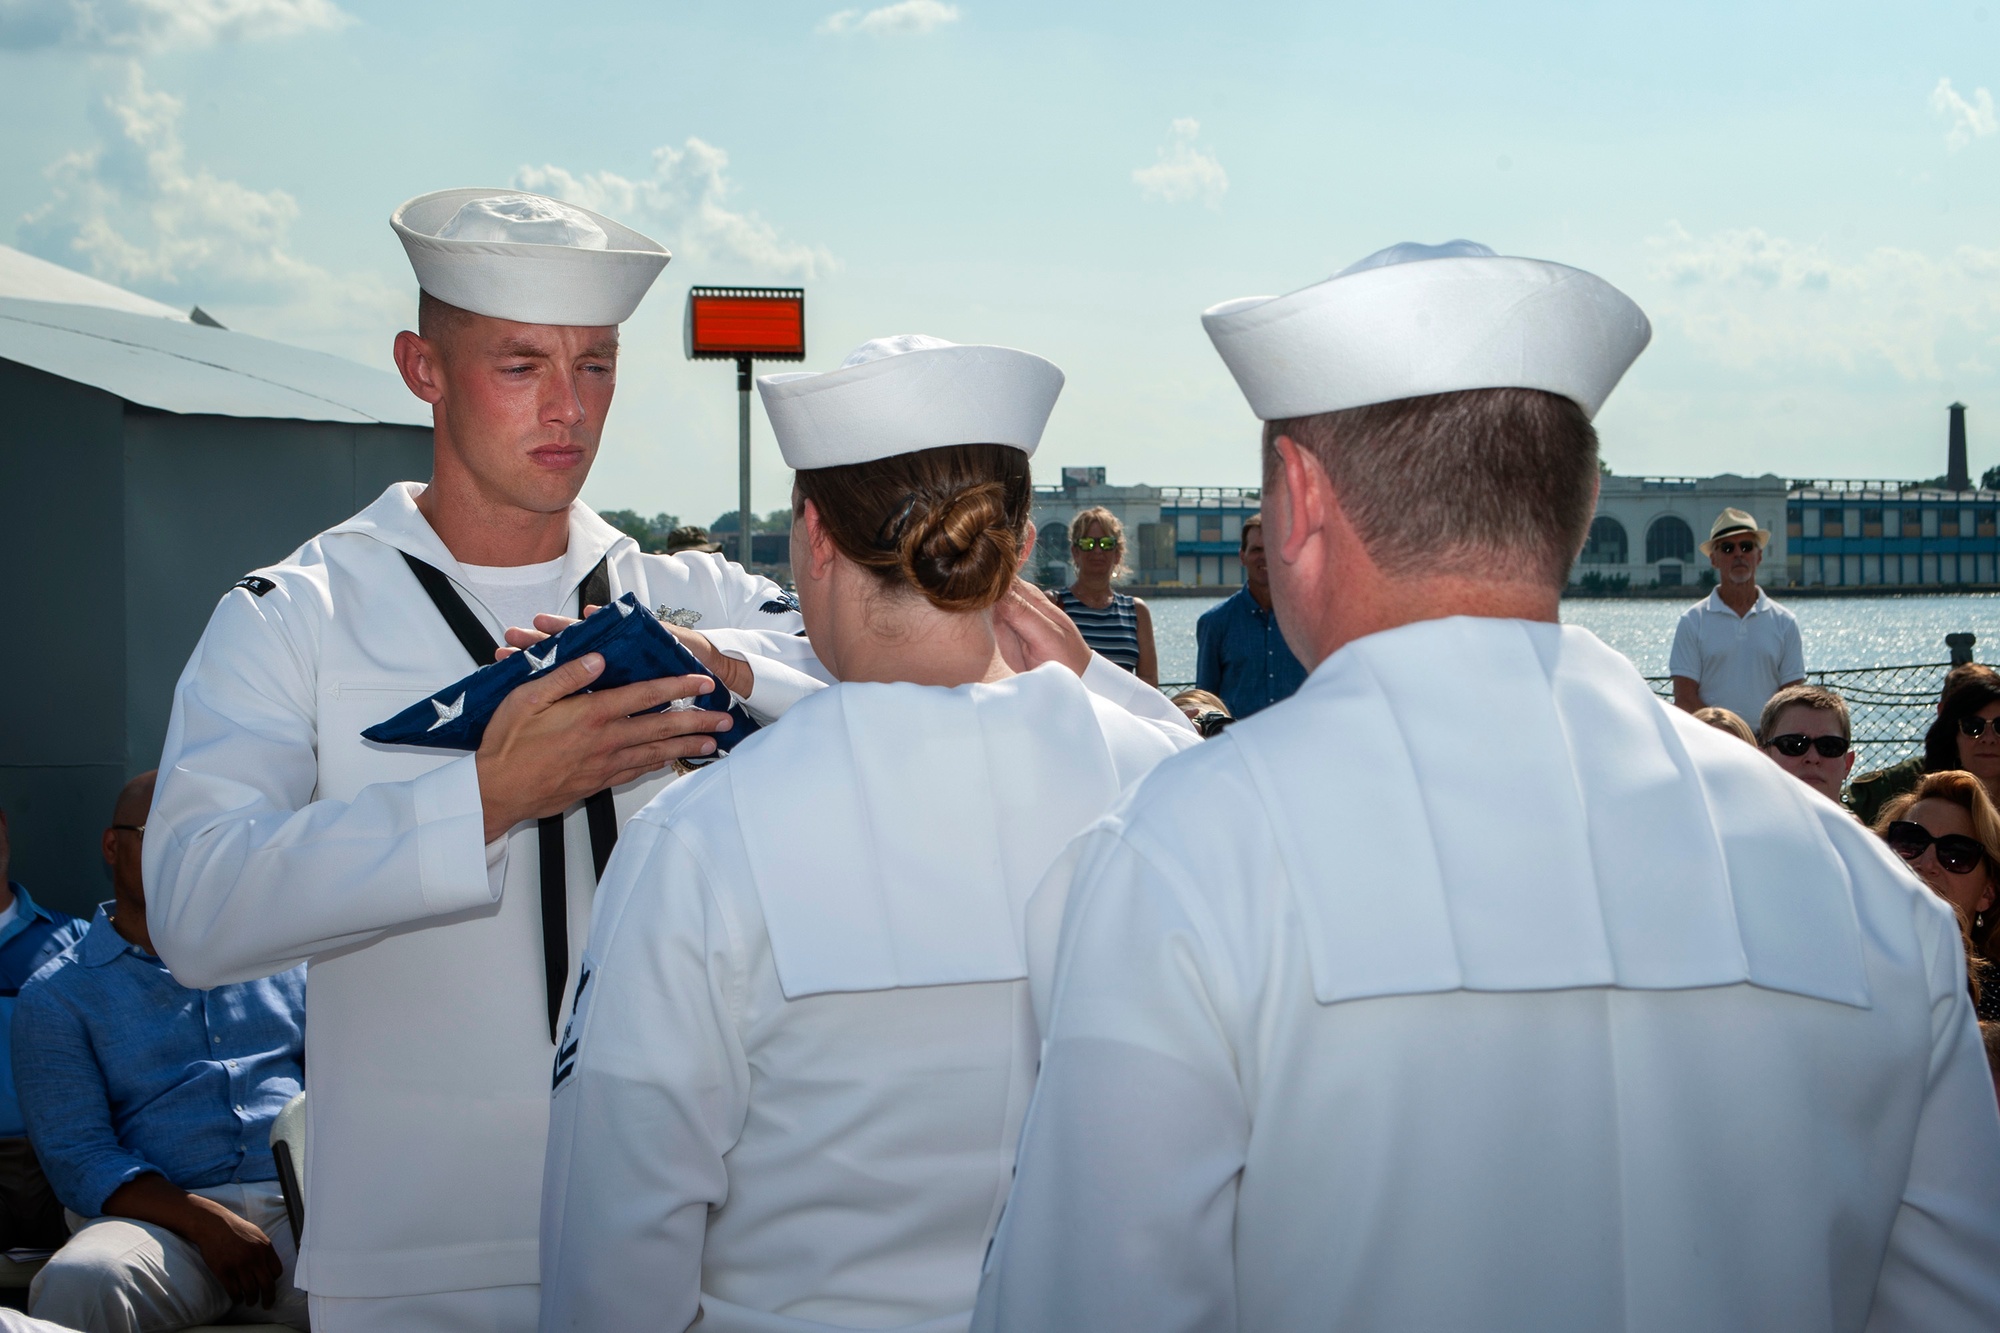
(1480, 482)
(437, 320)
(1803, 696)
(1250, 524)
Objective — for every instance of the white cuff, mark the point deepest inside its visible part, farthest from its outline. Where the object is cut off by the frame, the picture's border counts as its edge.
(774, 685)
(1114, 684)
(452, 856)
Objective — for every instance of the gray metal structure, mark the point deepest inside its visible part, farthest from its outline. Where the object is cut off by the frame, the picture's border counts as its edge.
(146, 464)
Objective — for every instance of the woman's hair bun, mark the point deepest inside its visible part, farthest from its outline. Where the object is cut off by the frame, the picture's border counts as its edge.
(961, 552)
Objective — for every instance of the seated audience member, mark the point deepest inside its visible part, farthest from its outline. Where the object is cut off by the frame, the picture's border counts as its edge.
(30, 935)
(1806, 729)
(1949, 832)
(1724, 720)
(150, 1105)
(1955, 741)
(1208, 713)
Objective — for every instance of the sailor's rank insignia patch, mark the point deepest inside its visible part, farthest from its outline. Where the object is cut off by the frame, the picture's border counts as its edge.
(780, 604)
(255, 583)
(684, 617)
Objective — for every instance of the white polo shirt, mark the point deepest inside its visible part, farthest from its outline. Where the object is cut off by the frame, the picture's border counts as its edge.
(1738, 661)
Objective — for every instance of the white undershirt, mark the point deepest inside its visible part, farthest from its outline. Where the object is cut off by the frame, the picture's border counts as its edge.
(516, 594)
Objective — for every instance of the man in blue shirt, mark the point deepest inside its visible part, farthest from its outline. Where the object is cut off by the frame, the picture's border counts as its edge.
(30, 935)
(150, 1105)
(1240, 654)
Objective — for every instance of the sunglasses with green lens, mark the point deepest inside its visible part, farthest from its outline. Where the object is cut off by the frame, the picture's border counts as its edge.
(1096, 543)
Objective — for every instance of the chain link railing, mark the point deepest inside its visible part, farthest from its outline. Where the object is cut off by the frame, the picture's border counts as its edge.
(1892, 706)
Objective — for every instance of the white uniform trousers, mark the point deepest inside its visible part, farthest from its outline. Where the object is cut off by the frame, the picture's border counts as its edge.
(118, 1275)
(481, 1310)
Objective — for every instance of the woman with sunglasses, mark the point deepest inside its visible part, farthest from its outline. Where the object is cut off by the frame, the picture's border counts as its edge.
(802, 1043)
(1963, 738)
(1114, 624)
(1949, 832)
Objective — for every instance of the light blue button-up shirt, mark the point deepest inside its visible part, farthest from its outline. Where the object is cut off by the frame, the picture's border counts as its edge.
(34, 937)
(121, 1070)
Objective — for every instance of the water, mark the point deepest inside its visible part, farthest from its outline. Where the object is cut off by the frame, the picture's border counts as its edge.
(1838, 631)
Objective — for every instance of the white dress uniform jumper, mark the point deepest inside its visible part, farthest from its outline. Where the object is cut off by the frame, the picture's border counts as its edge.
(278, 836)
(790, 1099)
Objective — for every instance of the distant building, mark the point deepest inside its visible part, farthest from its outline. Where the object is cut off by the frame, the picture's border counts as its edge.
(1175, 536)
(1647, 529)
(1824, 533)
(148, 460)
(1845, 534)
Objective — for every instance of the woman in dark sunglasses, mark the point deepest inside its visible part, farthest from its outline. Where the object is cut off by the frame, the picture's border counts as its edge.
(1949, 833)
(1963, 738)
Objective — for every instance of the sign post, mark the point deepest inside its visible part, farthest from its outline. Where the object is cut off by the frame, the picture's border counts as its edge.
(745, 324)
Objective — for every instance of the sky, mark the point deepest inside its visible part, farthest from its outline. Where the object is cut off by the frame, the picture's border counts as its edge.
(1804, 197)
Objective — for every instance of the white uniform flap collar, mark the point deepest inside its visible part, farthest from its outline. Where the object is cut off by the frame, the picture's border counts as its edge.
(884, 825)
(1503, 805)
(395, 520)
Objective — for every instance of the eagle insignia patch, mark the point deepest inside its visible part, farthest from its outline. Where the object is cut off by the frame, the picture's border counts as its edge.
(781, 604)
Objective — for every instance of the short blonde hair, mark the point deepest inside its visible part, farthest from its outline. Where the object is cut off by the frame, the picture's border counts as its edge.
(1816, 697)
(1079, 527)
(1724, 720)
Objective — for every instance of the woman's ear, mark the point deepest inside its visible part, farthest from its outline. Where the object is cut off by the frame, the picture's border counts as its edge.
(818, 542)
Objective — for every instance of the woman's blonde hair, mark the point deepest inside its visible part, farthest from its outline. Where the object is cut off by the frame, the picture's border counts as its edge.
(1079, 527)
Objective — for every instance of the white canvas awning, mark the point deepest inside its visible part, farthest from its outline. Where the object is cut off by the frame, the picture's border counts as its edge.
(190, 369)
(26, 278)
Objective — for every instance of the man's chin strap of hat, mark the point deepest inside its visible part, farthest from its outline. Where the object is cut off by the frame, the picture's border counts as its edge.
(598, 808)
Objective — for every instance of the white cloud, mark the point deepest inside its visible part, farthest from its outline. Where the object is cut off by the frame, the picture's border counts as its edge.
(1751, 301)
(1970, 119)
(133, 25)
(1184, 171)
(685, 200)
(134, 212)
(906, 16)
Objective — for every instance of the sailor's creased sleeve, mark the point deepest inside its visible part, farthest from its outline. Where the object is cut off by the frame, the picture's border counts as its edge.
(1942, 1270)
(1122, 1216)
(1114, 684)
(65, 1106)
(651, 1090)
(760, 624)
(247, 874)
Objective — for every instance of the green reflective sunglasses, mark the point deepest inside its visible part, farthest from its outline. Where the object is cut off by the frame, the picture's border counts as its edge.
(1096, 543)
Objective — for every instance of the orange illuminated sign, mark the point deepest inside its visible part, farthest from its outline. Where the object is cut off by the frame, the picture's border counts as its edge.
(746, 323)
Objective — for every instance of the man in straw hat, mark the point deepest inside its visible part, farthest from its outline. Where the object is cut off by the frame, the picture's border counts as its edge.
(1735, 648)
(1472, 988)
(442, 898)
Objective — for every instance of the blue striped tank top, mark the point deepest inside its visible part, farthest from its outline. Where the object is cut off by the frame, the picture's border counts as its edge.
(1112, 630)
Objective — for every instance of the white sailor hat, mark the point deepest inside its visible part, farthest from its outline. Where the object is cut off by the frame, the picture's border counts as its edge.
(909, 392)
(1422, 319)
(526, 257)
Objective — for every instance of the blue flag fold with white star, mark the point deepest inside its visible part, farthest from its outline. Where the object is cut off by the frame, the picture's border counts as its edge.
(635, 645)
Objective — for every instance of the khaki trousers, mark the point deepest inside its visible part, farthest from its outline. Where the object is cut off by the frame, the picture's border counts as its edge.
(118, 1275)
